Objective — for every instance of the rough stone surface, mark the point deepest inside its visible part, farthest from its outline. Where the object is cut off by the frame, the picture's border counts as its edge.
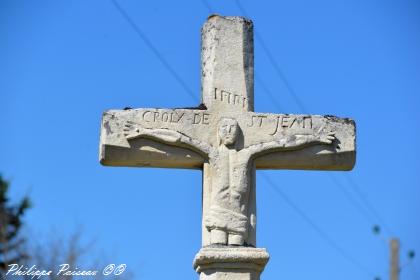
(230, 263)
(225, 138)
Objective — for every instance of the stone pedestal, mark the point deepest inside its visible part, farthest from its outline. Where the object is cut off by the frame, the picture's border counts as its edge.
(230, 263)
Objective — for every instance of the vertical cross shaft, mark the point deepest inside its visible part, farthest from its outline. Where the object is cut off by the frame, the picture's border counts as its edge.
(227, 63)
(227, 58)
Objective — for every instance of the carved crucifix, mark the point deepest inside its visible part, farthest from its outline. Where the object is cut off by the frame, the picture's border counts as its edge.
(225, 138)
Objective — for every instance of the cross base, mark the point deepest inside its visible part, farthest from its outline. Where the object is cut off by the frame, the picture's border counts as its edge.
(230, 263)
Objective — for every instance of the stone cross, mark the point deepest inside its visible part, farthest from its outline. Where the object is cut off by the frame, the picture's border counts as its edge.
(226, 139)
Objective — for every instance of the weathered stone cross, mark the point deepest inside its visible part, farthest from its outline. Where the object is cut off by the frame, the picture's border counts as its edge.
(228, 141)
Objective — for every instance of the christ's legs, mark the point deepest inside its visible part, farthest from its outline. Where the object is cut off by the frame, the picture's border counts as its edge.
(226, 218)
(218, 236)
(235, 239)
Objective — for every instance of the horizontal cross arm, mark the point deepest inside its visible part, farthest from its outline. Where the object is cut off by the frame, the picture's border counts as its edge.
(155, 137)
(300, 141)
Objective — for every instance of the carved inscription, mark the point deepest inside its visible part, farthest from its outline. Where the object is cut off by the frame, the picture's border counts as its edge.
(257, 120)
(155, 116)
(160, 116)
(230, 98)
(201, 118)
(281, 122)
(285, 122)
(274, 125)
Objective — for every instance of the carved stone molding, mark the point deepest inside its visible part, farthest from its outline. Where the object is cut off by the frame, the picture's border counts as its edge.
(230, 263)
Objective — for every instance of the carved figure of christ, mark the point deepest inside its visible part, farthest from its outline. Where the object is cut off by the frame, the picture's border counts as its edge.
(227, 220)
(225, 138)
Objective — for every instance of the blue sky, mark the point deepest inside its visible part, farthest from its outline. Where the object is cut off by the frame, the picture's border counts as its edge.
(65, 62)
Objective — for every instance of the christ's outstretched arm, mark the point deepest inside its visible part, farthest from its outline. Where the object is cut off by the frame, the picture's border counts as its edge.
(134, 130)
(291, 143)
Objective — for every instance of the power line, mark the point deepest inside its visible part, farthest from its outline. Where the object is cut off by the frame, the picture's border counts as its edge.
(409, 264)
(150, 45)
(267, 91)
(302, 107)
(275, 65)
(357, 190)
(155, 51)
(362, 197)
(366, 202)
(257, 78)
(316, 228)
(351, 199)
(279, 72)
(300, 104)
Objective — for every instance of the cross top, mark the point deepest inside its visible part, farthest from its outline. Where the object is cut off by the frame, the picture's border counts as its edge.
(227, 57)
(225, 138)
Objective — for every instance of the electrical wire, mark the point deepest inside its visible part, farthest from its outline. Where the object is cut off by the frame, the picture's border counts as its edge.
(281, 75)
(275, 65)
(267, 92)
(316, 228)
(368, 205)
(155, 51)
(300, 104)
(351, 199)
(279, 72)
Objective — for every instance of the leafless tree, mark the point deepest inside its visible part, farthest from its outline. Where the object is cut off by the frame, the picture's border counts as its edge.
(51, 255)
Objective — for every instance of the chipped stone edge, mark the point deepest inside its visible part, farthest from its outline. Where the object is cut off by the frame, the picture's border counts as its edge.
(231, 258)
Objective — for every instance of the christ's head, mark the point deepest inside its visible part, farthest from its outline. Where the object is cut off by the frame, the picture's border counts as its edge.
(228, 131)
